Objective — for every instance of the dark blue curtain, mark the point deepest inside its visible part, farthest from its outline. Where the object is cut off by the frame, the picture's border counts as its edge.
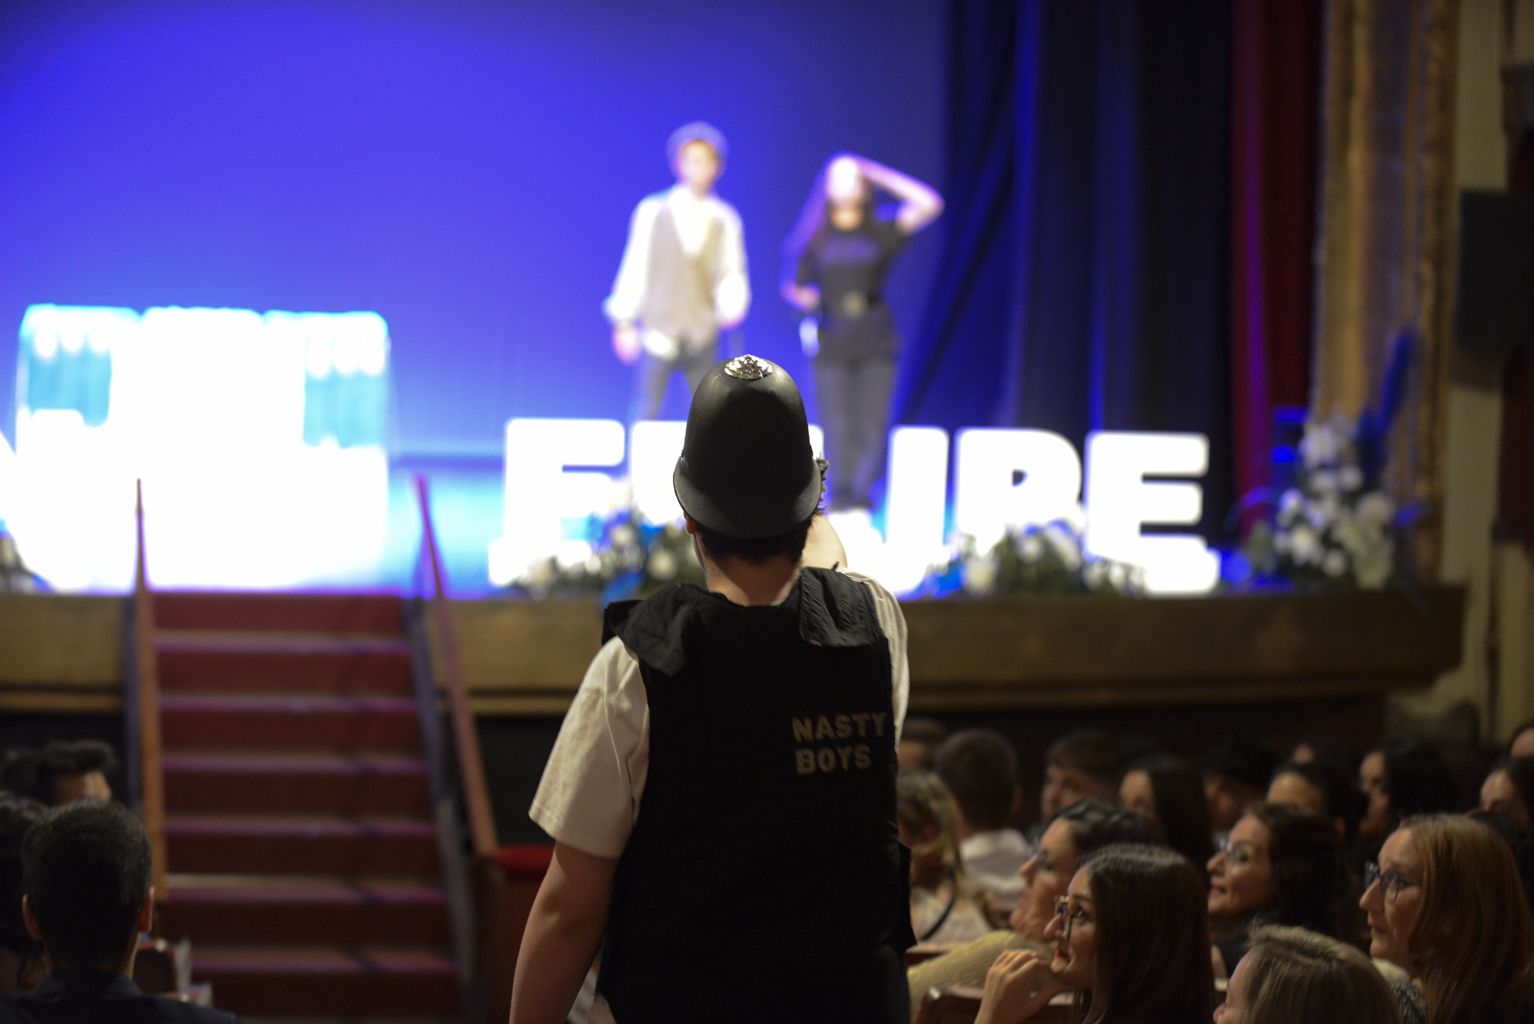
(1084, 280)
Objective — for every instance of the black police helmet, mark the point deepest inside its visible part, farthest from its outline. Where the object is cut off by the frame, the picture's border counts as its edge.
(746, 468)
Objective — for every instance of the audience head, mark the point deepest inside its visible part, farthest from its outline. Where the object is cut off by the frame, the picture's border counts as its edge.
(1400, 778)
(1521, 742)
(1134, 934)
(1443, 903)
(1236, 774)
(1077, 831)
(929, 825)
(21, 954)
(979, 767)
(1520, 843)
(1509, 789)
(919, 740)
(1168, 791)
(1081, 765)
(1344, 754)
(85, 875)
(1291, 974)
(1321, 787)
(62, 772)
(1282, 865)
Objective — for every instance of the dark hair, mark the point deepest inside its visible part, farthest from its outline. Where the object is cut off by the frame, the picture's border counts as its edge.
(1241, 759)
(755, 550)
(1152, 961)
(1520, 841)
(17, 814)
(85, 869)
(1312, 886)
(34, 773)
(1342, 754)
(1181, 810)
(979, 767)
(1087, 750)
(1340, 796)
(1520, 772)
(1417, 779)
(1095, 824)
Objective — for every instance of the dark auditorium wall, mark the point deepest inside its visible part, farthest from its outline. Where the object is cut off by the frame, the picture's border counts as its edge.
(466, 168)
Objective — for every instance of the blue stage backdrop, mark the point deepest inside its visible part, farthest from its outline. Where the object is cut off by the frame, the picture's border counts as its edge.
(464, 169)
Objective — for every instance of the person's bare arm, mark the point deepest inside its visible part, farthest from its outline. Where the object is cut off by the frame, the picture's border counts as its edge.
(920, 203)
(564, 931)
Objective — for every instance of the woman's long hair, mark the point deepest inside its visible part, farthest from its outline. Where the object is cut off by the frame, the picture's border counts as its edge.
(1473, 942)
(1296, 975)
(1152, 961)
(1312, 885)
(812, 222)
(1181, 807)
(923, 805)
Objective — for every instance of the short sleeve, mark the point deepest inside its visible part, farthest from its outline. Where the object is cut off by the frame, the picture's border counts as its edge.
(892, 622)
(589, 795)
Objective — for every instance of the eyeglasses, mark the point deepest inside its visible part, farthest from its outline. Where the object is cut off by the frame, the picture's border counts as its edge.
(1390, 882)
(1069, 914)
(1236, 854)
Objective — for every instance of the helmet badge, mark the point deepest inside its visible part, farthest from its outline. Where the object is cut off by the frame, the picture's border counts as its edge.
(747, 368)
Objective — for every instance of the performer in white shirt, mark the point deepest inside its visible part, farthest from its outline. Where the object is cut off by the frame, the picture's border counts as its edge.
(683, 275)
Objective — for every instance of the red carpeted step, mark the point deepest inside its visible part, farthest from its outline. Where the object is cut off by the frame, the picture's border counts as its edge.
(295, 784)
(300, 846)
(264, 911)
(333, 613)
(310, 981)
(288, 723)
(209, 662)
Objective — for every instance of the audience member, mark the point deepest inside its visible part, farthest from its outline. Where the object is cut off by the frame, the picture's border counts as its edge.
(1077, 831)
(1131, 940)
(1169, 792)
(1081, 765)
(62, 772)
(1520, 843)
(85, 879)
(1293, 975)
(1401, 778)
(1279, 865)
(1341, 753)
(21, 957)
(919, 741)
(1442, 902)
(1322, 787)
(1236, 775)
(979, 767)
(1509, 789)
(1521, 742)
(941, 909)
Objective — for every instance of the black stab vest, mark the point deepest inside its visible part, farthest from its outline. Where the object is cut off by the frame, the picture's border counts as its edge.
(764, 879)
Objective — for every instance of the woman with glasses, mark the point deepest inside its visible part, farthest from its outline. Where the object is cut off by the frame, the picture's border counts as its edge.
(1279, 865)
(1444, 904)
(1130, 939)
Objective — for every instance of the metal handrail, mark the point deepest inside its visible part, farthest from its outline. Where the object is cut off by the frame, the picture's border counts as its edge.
(147, 703)
(449, 669)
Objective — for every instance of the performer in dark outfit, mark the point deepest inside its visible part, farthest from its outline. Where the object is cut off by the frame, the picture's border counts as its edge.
(722, 792)
(834, 268)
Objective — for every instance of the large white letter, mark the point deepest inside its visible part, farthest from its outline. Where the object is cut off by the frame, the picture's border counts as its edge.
(1013, 478)
(539, 491)
(1120, 501)
(915, 506)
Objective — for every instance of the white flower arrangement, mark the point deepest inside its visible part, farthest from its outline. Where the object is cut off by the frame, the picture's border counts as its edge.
(1331, 528)
(1047, 559)
(629, 558)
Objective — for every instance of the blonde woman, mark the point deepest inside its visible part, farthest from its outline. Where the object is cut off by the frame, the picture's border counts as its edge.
(1292, 974)
(941, 909)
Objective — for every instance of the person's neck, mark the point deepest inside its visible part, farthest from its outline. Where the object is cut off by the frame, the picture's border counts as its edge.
(752, 583)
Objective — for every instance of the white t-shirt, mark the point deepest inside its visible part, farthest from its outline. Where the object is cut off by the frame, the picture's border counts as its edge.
(591, 787)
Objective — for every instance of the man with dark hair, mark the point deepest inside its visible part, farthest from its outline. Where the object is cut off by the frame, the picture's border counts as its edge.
(979, 767)
(722, 792)
(62, 772)
(1237, 771)
(85, 871)
(1081, 765)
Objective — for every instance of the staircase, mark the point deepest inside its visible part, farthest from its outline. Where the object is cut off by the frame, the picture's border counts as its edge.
(303, 862)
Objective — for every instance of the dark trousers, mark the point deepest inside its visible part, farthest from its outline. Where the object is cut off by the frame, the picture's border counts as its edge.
(854, 400)
(655, 375)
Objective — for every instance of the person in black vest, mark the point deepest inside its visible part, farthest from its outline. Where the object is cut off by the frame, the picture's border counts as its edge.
(86, 896)
(722, 792)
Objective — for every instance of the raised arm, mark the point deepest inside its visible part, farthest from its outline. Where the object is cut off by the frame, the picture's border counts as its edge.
(920, 203)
